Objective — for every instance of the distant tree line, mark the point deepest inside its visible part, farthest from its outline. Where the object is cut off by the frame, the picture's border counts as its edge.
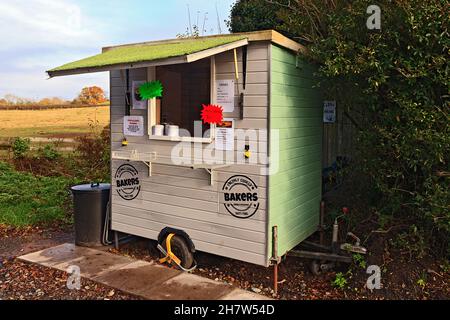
(88, 96)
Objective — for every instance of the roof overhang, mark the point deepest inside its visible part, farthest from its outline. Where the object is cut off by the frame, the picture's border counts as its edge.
(231, 42)
(188, 58)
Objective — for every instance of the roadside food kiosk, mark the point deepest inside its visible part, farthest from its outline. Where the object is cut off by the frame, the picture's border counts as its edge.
(216, 140)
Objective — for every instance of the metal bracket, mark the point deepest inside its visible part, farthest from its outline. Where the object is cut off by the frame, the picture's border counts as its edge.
(134, 155)
(212, 176)
(149, 165)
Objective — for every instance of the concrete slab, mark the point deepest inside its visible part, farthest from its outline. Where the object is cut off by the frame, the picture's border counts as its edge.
(95, 265)
(56, 255)
(141, 278)
(238, 294)
(186, 286)
(91, 262)
(138, 278)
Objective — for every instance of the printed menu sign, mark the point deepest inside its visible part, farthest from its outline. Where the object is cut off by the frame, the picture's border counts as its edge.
(225, 94)
(225, 135)
(133, 126)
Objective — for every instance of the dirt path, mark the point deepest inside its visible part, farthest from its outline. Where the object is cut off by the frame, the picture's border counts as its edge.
(14, 242)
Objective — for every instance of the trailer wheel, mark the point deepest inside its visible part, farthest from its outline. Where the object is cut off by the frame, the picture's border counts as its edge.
(181, 249)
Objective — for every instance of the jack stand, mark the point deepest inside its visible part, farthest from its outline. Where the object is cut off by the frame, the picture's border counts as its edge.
(275, 258)
(116, 240)
(322, 224)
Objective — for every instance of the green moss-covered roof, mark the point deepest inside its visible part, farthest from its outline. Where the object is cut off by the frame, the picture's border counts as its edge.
(148, 52)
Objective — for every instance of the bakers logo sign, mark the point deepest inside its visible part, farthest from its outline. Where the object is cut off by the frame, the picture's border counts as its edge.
(128, 185)
(241, 197)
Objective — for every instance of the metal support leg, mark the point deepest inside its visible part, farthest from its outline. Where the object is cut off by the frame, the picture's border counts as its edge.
(275, 258)
(322, 224)
(211, 176)
(275, 279)
(116, 240)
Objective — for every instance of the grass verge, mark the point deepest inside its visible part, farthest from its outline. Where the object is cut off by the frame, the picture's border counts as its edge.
(27, 200)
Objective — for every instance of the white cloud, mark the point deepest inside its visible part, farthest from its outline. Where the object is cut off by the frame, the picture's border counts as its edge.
(38, 35)
(39, 23)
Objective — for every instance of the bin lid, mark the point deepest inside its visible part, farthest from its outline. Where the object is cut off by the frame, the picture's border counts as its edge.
(93, 187)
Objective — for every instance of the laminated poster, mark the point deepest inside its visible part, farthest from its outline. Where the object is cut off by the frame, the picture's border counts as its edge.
(225, 94)
(225, 135)
(133, 126)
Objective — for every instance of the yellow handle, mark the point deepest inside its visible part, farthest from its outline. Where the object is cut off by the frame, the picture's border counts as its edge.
(170, 255)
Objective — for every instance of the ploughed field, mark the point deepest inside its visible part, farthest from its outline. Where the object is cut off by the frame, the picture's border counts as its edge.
(52, 123)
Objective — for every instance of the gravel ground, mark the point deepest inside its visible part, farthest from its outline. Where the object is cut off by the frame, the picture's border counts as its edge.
(24, 281)
(402, 277)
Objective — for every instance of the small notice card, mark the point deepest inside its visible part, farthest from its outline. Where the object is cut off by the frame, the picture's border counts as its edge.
(133, 126)
(225, 94)
(225, 135)
(329, 112)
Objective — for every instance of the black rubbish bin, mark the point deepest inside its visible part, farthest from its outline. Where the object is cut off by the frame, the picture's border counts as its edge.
(90, 206)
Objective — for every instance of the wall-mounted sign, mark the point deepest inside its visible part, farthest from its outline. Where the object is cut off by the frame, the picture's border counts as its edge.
(127, 182)
(225, 94)
(138, 102)
(241, 197)
(329, 111)
(133, 126)
(225, 135)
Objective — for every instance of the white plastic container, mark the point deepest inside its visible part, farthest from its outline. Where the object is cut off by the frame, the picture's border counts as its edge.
(172, 131)
(158, 130)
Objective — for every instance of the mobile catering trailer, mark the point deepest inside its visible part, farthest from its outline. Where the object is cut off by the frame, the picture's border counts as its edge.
(225, 186)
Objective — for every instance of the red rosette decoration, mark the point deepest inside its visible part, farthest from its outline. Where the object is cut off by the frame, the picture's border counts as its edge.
(212, 114)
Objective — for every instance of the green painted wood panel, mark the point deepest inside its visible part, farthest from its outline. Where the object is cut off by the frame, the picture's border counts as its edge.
(296, 113)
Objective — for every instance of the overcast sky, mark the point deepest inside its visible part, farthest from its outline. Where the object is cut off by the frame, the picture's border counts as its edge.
(37, 35)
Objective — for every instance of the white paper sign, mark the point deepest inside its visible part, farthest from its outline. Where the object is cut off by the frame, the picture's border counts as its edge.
(133, 126)
(329, 112)
(138, 104)
(225, 135)
(225, 94)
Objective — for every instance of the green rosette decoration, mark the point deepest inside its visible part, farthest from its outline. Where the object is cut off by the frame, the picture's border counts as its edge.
(150, 90)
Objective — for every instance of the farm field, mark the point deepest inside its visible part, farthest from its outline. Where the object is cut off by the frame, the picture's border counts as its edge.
(53, 123)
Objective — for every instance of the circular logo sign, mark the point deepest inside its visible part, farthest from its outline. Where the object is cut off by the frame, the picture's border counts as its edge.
(241, 197)
(127, 182)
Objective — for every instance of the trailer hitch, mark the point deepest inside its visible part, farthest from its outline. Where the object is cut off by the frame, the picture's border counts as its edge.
(355, 248)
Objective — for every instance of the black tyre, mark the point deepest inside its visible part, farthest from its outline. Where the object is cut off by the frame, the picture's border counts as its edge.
(181, 250)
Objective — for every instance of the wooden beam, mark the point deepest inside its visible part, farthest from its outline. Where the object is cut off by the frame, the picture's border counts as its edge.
(216, 50)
